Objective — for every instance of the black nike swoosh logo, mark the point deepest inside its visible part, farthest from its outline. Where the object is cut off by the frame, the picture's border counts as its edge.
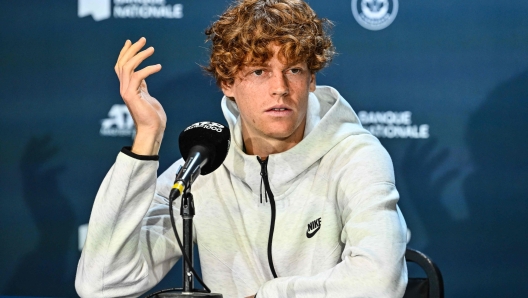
(310, 235)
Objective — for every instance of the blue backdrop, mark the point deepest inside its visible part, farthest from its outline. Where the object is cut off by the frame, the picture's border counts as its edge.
(444, 86)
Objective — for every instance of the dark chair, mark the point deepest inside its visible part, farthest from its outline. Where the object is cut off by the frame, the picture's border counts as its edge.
(430, 287)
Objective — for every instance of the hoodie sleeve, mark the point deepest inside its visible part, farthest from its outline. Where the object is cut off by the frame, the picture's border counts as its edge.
(130, 244)
(374, 234)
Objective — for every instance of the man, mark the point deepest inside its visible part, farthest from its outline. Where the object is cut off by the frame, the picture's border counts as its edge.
(337, 230)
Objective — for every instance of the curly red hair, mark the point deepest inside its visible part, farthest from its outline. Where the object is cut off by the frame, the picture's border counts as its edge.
(242, 34)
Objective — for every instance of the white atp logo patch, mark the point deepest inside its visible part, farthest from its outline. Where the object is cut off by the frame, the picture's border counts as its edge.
(119, 123)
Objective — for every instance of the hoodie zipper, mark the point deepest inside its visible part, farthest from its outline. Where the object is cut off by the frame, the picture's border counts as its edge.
(268, 193)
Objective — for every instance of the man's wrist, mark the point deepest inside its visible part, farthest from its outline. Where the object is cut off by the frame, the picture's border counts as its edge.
(147, 144)
(128, 151)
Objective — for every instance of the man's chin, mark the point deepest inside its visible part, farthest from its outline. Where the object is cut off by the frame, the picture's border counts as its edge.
(281, 133)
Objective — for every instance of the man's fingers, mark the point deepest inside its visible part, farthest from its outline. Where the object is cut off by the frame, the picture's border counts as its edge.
(130, 57)
(127, 45)
(130, 52)
(134, 62)
(133, 49)
(135, 79)
(142, 74)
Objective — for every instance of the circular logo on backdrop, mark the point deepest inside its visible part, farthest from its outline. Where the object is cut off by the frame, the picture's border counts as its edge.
(374, 14)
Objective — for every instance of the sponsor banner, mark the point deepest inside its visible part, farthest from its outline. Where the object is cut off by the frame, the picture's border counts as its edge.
(390, 124)
(129, 9)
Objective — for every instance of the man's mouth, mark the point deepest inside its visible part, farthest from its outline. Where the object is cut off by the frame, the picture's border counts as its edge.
(278, 108)
(279, 112)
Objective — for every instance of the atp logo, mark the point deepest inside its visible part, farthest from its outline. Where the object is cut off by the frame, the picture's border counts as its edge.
(98, 9)
(375, 14)
(119, 123)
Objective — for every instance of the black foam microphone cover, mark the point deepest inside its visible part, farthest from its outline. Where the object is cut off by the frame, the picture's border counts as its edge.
(211, 136)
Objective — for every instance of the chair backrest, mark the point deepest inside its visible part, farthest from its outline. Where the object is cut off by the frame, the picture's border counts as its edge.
(430, 287)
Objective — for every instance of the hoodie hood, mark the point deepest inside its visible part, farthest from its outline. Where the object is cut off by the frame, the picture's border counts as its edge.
(330, 119)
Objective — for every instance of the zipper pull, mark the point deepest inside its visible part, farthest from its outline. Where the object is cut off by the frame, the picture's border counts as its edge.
(263, 175)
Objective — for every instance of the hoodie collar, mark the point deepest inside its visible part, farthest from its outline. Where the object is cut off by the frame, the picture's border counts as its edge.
(330, 119)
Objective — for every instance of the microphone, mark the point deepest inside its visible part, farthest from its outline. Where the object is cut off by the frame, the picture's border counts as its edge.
(203, 146)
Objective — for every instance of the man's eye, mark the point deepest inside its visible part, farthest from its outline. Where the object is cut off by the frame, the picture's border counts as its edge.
(258, 72)
(295, 70)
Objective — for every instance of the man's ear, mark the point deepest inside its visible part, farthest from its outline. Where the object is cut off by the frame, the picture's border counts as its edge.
(312, 82)
(227, 88)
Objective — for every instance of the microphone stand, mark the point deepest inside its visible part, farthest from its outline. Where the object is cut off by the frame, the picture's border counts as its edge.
(187, 213)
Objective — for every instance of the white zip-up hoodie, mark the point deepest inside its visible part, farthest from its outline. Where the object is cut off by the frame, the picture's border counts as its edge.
(338, 231)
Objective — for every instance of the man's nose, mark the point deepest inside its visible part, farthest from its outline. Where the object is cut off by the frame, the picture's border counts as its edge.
(279, 84)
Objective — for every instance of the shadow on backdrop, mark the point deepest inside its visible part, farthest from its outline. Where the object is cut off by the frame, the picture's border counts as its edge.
(486, 254)
(420, 163)
(43, 271)
(428, 218)
(497, 190)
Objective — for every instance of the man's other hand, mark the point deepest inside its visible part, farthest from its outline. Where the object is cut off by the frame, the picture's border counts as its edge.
(148, 114)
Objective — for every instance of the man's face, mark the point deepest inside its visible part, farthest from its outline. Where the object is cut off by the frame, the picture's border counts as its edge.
(272, 99)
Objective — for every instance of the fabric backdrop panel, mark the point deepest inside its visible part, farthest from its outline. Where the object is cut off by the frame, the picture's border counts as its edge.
(442, 84)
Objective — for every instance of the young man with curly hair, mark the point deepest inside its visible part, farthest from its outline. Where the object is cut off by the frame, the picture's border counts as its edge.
(338, 231)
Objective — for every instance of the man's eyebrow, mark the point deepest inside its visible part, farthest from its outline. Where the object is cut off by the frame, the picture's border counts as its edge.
(294, 64)
(257, 65)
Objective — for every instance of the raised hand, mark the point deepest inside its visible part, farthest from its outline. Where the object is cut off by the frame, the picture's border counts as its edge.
(148, 114)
